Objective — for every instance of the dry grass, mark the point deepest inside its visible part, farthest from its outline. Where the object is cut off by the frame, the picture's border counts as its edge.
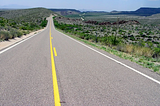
(143, 51)
(138, 50)
(129, 48)
(2, 36)
(147, 52)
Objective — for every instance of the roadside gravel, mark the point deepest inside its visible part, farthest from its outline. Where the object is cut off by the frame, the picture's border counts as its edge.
(5, 44)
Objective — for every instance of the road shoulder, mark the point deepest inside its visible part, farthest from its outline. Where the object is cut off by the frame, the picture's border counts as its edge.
(5, 44)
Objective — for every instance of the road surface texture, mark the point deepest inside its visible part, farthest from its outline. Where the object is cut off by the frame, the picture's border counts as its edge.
(85, 77)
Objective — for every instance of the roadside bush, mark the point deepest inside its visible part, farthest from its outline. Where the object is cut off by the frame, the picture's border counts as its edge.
(44, 23)
(81, 36)
(4, 35)
(141, 43)
(110, 40)
(25, 32)
(157, 52)
(121, 47)
(13, 33)
(132, 38)
(150, 44)
(19, 34)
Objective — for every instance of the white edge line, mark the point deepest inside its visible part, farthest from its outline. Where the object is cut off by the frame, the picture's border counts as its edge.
(154, 80)
(10, 47)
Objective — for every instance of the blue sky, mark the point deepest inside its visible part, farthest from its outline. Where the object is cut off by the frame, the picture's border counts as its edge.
(98, 5)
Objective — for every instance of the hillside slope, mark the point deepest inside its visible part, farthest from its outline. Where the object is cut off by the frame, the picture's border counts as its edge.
(65, 12)
(143, 11)
(26, 15)
(15, 23)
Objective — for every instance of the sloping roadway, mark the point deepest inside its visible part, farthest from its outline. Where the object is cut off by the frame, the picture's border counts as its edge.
(85, 77)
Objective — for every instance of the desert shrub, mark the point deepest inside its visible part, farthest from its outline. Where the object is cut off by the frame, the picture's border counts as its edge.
(121, 47)
(140, 32)
(44, 23)
(25, 32)
(88, 37)
(81, 36)
(125, 37)
(132, 38)
(141, 43)
(25, 27)
(95, 39)
(4, 35)
(157, 51)
(138, 36)
(113, 29)
(150, 44)
(13, 33)
(19, 34)
(156, 69)
(111, 40)
(33, 26)
(155, 42)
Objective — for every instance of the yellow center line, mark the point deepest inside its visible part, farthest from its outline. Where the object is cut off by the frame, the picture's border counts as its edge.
(55, 53)
(55, 84)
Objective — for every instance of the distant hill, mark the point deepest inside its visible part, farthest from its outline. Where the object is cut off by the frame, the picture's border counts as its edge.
(65, 12)
(95, 12)
(144, 11)
(147, 11)
(15, 23)
(26, 14)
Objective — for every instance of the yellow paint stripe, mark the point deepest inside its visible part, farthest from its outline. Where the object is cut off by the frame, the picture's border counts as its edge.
(55, 53)
(55, 84)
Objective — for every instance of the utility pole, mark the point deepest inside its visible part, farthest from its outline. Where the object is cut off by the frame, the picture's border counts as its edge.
(96, 38)
(117, 24)
(116, 30)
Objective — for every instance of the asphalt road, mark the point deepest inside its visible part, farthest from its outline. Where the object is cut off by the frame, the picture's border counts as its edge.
(85, 77)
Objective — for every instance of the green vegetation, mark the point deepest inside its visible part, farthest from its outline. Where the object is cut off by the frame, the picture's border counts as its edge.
(127, 41)
(105, 17)
(44, 23)
(15, 23)
(77, 30)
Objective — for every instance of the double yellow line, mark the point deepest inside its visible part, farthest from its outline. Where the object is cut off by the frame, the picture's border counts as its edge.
(55, 84)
